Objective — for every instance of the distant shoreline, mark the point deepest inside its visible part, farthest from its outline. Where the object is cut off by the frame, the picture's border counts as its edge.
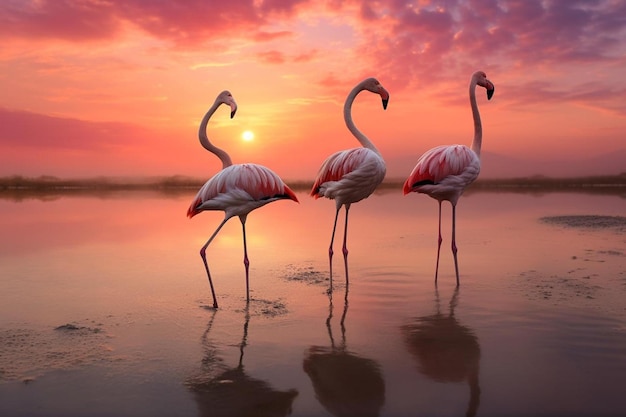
(612, 184)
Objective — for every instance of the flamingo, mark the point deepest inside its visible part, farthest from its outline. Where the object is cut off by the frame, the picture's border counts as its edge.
(351, 175)
(445, 171)
(236, 189)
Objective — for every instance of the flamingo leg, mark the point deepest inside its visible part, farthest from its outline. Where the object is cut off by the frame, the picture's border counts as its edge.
(246, 261)
(345, 234)
(438, 245)
(206, 265)
(330, 249)
(345, 245)
(454, 248)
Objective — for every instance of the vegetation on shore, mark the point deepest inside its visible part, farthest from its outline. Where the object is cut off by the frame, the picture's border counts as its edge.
(614, 184)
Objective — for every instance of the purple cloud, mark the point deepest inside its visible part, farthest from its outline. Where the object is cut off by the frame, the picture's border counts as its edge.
(529, 31)
(63, 19)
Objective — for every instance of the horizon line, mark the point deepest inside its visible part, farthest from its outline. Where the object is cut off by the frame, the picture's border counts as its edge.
(16, 183)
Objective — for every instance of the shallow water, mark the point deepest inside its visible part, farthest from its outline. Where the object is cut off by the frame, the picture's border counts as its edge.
(105, 308)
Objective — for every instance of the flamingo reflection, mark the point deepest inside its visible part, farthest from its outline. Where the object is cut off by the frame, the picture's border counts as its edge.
(344, 383)
(220, 390)
(445, 350)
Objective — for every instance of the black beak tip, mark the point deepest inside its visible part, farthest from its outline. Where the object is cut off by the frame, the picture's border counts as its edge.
(385, 104)
(232, 113)
(490, 93)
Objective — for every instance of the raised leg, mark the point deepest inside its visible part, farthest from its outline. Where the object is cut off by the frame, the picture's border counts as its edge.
(246, 261)
(206, 265)
(438, 245)
(454, 248)
(330, 250)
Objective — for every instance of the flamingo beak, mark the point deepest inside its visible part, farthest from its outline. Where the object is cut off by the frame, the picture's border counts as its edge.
(233, 110)
(384, 95)
(490, 90)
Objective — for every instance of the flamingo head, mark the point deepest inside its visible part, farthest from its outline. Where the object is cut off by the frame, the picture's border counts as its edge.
(372, 84)
(225, 97)
(481, 79)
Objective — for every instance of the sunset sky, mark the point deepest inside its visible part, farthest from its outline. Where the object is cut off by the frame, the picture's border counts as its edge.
(118, 88)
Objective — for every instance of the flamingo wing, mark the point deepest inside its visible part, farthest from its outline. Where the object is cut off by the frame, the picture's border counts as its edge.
(455, 163)
(239, 189)
(358, 168)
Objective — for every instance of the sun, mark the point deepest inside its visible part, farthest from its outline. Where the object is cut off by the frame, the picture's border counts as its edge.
(248, 135)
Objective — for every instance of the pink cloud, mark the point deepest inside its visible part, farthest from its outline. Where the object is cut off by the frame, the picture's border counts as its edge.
(193, 21)
(428, 34)
(277, 57)
(20, 129)
(306, 56)
(49, 19)
(36, 144)
(437, 42)
(271, 57)
(189, 23)
(263, 36)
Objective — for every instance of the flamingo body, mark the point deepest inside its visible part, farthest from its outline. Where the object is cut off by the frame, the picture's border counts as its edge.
(239, 189)
(236, 189)
(444, 172)
(351, 175)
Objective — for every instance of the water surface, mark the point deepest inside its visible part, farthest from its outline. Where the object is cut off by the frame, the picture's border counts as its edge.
(105, 308)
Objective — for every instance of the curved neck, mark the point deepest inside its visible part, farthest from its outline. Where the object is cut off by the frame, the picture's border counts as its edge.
(204, 140)
(347, 116)
(478, 128)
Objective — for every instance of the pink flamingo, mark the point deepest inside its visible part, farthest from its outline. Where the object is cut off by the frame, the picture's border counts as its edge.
(351, 175)
(445, 171)
(236, 189)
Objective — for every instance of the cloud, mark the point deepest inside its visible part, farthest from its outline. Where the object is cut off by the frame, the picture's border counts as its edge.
(530, 94)
(263, 36)
(191, 23)
(20, 129)
(271, 57)
(277, 57)
(49, 19)
(306, 56)
(407, 44)
(441, 37)
(430, 46)
(422, 35)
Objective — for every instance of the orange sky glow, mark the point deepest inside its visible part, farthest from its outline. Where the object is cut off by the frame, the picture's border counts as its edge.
(107, 88)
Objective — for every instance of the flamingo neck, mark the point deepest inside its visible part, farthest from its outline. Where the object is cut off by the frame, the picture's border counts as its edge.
(347, 116)
(204, 140)
(478, 128)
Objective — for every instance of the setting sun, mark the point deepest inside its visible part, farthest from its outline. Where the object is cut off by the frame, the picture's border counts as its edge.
(248, 135)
